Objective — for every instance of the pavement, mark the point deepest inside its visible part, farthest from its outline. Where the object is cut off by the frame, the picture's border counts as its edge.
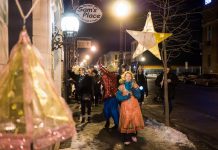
(93, 136)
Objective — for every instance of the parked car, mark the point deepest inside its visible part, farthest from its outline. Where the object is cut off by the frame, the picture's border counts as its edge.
(181, 77)
(207, 80)
(190, 78)
(187, 77)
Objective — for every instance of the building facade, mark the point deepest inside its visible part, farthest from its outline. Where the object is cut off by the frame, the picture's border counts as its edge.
(210, 37)
(112, 58)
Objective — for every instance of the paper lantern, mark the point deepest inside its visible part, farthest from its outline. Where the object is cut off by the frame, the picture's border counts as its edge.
(32, 114)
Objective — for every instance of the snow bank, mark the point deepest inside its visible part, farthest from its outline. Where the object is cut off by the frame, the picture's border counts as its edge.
(166, 136)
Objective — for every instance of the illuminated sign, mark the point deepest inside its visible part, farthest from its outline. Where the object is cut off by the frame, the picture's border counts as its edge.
(206, 2)
(84, 44)
(89, 13)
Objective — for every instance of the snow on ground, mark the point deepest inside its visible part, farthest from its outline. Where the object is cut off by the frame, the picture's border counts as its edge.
(87, 138)
(166, 137)
(155, 136)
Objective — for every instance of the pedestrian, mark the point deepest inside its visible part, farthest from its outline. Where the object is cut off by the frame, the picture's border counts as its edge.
(97, 87)
(109, 81)
(172, 81)
(86, 92)
(141, 80)
(131, 119)
(74, 79)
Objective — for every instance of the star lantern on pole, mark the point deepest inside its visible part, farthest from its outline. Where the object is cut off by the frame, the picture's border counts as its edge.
(148, 38)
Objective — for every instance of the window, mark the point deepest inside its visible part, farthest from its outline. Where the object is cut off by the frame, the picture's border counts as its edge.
(209, 60)
(209, 33)
(115, 57)
(206, 2)
(217, 55)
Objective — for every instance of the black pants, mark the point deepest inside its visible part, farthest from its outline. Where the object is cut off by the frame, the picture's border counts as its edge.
(127, 137)
(86, 104)
(141, 99)
(96, 100)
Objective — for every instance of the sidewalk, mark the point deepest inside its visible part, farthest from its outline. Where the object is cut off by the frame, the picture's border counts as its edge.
(155, 136)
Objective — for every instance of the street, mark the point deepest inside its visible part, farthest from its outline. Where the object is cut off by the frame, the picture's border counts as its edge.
(93, 136)
(61, 63)
(195, 115)
(195, 112)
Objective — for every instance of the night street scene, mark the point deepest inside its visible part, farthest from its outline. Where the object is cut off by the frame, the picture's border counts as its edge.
(108, 75)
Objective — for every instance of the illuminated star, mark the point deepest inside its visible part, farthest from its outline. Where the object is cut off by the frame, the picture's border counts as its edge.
(148, 39)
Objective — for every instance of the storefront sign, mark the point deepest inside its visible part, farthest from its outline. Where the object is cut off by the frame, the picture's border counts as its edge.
(84, 44)
(89, 13)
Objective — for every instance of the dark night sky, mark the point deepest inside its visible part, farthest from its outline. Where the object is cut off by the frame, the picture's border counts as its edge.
(106, 31)
(16, 22)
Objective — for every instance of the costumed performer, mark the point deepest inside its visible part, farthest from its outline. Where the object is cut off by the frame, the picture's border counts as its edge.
(109, 81)
(131, 119)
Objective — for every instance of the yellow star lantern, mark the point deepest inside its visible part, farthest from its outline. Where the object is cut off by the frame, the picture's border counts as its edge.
(148, 39)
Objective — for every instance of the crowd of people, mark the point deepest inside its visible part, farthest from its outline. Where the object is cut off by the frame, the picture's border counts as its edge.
(121, 92)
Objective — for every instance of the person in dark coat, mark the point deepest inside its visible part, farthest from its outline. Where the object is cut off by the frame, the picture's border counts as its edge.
(97, 87)
(172, 81)
(74, 78)
(141, 80)
(86, 92)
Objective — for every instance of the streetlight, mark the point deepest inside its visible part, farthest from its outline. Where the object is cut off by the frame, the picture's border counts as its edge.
(70, 24)
(87, 57)
(70, 27)
(93, 48)
(81, 64)
(142, 59)
(122, 9)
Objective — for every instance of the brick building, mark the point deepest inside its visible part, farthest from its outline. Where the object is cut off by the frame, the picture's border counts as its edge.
(210, 37)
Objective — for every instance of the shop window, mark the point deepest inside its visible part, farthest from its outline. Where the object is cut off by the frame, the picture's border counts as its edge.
(209, 33)
(116, 57)
(217, 55)
(209, 60)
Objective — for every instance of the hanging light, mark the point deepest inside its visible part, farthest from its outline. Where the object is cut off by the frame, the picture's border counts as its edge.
(70, 23)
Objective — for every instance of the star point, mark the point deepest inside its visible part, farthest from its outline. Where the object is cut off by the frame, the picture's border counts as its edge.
(148, 38)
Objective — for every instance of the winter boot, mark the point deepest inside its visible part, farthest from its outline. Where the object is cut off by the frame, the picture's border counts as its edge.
(115, 127)
(83, 120)
(107, 125)
(89, 119)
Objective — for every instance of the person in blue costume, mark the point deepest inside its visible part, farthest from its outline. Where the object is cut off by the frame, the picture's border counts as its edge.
(109, 81)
